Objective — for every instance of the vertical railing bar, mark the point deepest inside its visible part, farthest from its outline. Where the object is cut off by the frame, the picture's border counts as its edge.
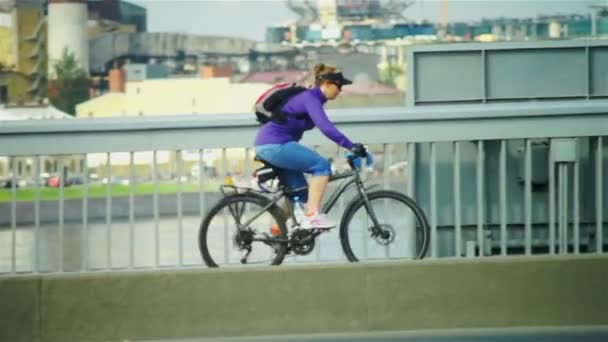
(576, 238)
(480, 197)
(247, 167)
(226, 234)
(599, 195)
(109, 212)
(411, 187)
(561, 198)
(37, 215)
(318, 247)
(457, 198)
(386, 149)
(131, 210)
(588, 72)
(62, 181)
(385, 176)
(156, 214)
(551, 203)
(247, 175)
(342, 199)
(411, 164)
(566, 209)
(13, 214)
(85, 213)
(201, 182)
(503, 197)
(528, 198)
(484, 76)
(433, 189)
(180, 228)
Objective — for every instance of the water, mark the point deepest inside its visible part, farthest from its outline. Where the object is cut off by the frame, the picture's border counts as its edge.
(77, 245)
(102, 246)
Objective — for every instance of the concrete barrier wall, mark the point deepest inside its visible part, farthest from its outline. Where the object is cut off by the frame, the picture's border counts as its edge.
(20, 309)
(438, 294)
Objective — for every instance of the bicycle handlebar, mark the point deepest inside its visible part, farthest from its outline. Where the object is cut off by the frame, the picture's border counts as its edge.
(351, 158)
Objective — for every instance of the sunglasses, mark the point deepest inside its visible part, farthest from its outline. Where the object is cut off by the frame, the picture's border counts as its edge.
(338, 85)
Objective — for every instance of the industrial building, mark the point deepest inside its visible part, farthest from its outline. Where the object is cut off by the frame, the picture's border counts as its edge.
(34, 34)
(358, 21)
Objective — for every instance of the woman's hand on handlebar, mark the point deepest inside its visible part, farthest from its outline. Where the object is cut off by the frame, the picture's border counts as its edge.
(355, 162)
(359, 150)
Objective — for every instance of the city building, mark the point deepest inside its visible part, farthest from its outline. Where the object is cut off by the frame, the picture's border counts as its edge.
(24, 166)
(331, 22)
(115, 16)
(22, 52)
(173, 96)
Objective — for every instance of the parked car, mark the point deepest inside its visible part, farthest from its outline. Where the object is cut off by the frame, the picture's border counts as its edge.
(8, 183)
(53, 181)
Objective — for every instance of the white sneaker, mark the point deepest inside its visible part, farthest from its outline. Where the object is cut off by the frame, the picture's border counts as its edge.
(317, 221)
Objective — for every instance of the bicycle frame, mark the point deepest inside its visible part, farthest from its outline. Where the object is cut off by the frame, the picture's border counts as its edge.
(329, 204)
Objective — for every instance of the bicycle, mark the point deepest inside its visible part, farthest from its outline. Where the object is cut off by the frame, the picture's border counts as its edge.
(302, 241)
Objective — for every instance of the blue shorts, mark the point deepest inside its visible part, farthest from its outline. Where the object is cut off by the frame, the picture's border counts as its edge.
(293, 160)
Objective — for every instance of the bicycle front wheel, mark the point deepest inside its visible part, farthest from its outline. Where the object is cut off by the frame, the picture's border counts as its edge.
(224, 237)
(403, 232)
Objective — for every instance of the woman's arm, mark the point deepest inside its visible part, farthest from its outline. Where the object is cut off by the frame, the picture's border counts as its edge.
(319, 117)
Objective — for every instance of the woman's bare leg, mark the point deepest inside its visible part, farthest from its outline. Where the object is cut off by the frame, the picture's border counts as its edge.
(316, 188)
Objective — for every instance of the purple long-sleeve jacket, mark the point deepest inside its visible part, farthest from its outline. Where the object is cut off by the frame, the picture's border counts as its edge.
(311, 102)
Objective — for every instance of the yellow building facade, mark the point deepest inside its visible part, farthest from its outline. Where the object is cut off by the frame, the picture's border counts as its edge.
(23, 53)
(6, 42)
(175, 97)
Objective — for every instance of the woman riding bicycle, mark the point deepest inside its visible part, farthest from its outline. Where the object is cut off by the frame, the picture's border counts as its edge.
(277, 143)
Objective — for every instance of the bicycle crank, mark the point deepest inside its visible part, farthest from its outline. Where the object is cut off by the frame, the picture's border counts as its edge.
(303, 241)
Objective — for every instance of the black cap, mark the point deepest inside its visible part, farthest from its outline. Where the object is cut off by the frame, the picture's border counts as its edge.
(337, 78)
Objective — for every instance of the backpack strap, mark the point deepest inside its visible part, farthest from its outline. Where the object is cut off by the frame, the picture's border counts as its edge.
(282, 115)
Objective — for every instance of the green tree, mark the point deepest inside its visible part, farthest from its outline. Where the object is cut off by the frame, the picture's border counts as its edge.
(71, 86)
(388, 72)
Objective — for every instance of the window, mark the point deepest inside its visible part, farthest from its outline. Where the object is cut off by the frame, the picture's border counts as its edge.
(3, 94)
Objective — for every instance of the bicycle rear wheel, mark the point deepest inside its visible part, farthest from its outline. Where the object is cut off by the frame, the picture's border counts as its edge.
(224, 240)
(405, 229)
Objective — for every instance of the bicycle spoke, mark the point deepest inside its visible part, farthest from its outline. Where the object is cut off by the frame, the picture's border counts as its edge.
(242, 211)
(237, 210)
(401, 230)
(224, 240)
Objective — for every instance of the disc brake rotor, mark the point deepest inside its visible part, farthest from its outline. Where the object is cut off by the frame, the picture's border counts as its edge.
(386, 236)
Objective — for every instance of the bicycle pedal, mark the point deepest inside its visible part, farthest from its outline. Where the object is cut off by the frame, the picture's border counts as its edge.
(321, 230)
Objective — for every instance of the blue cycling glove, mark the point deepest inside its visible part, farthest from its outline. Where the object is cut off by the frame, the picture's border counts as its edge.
(369, 160)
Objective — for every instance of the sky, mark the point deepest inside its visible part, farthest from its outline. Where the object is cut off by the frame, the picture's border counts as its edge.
(249, 18)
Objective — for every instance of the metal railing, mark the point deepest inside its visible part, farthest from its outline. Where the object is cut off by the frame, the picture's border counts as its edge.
(494, 179)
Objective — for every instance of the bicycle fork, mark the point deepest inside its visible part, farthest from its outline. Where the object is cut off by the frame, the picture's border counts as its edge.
(376, 230)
